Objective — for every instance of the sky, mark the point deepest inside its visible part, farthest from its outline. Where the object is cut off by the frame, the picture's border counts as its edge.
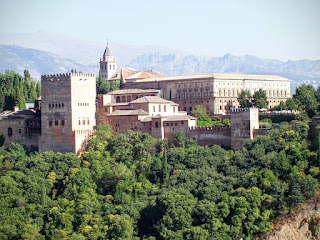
(277, 29)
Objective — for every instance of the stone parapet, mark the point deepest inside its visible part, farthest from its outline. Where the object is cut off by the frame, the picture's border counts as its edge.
(62, 76)
(211, 127)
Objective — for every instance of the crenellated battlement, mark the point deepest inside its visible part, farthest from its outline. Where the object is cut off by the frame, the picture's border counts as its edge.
(238, 110)
(64, 76)
(57, 77)
(211, 127)
(82, 74)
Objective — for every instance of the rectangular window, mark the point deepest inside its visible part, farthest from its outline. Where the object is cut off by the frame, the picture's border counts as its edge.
(79, 122)
(154, 108)
(62, 122)
(159, 108)
(50, 123)
(84, 122)
(88, 121)
(165, 108)
(20, 130)
(56, 122)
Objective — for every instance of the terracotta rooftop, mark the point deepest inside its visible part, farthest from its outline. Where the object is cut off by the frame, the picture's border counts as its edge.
(133, 91)
(151, 99)
(128, 112)
(216, 76)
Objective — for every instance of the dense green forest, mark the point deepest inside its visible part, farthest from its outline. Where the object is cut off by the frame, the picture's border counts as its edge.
(16, 90)
(133, 186)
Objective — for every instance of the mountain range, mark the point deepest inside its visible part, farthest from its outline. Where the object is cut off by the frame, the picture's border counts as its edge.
(43, 53)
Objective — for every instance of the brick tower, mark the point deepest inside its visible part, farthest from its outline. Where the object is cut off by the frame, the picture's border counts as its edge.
(67, 111)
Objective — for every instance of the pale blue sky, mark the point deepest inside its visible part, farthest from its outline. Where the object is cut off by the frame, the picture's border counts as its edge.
(283, 29)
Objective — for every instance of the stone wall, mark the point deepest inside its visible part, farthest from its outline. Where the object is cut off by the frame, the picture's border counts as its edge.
(211, 135)
(15, 130)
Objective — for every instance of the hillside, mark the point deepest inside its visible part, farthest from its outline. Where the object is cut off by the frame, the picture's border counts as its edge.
(302, 224)
(133, 186)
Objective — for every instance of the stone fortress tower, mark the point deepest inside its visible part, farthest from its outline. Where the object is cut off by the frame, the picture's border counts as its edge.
(108, 64)
(67, 111)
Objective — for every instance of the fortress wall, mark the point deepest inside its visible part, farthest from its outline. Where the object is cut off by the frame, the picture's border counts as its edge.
(211, 135)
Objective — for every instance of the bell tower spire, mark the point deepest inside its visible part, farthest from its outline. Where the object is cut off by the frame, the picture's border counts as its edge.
(108, 64)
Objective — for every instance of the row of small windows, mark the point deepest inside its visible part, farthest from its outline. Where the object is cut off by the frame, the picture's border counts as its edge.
(110, 67)
(57, 105)
(235, 93)
(229, 83)
(190, 108)
(164, 108)
(56, 123)
(193, 84)
(84, 122)
(83, 104)
(277, 94)
(176, 124)
(229, 93)
(193, 94)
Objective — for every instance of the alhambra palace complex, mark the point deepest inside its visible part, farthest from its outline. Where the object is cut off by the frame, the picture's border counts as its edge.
(149, 102)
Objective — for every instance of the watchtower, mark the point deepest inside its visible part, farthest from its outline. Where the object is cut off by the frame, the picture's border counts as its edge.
(243, 122)
(67, 111)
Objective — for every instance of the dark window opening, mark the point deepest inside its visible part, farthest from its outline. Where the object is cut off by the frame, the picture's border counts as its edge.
(9, 132)
(50, 123)
(157, 124)
(62, 122)
(56, 123)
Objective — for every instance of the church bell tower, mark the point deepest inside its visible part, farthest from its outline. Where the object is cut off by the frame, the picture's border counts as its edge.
(108, 64)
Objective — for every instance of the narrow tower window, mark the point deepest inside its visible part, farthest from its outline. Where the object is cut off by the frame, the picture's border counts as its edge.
(9, 132)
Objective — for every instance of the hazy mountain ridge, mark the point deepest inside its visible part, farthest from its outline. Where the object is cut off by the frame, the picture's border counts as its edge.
(37, 62)
(302, 71)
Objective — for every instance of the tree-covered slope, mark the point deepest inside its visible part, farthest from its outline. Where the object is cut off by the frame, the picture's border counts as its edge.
(133, 186)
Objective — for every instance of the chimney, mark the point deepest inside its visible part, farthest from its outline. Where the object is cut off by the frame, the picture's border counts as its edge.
(15, 108)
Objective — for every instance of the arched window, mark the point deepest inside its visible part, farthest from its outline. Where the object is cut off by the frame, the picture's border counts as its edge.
(118, 99)
(157, 125)
(9, 132)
